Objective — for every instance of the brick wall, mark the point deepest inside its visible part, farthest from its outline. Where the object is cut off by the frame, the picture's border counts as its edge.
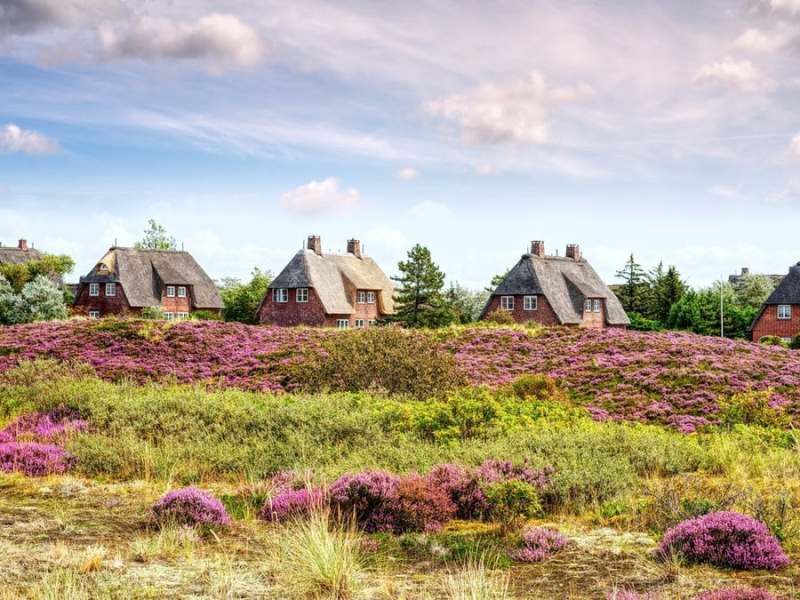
(543, 314)
(175, 304)
(595, 320)
(769, 324)
(107, 305)
(294, 313)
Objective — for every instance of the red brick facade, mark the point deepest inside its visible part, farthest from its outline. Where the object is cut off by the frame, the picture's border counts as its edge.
(312, 312)
(105, 305)
(768, 323)
(545, 315)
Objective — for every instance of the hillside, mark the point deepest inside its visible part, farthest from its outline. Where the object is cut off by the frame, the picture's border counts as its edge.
(671, 378)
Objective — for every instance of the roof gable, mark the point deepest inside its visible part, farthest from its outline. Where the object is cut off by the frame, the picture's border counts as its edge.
(788, 290)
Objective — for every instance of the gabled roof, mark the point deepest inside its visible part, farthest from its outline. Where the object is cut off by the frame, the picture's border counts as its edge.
(144, 273)
(788, 290)
(566, 283)
(15, 256)
(334, 277)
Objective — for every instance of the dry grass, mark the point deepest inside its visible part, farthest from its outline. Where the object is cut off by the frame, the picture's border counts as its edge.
(473, 581)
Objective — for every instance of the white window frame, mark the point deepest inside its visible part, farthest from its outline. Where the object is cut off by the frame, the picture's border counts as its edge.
(507, 303)
(170, 291)
(596, 305)
(181, 291)
(94, 314)
(587, 305)
(169, 316)
(182, 315)
(530, 303)
(371, 322)
(111, 290)
(342, 323)
(280, 295)
(370, 297)
(301, 295)
(361, 297)
(784, 312)
(94, 289)
(360, 323)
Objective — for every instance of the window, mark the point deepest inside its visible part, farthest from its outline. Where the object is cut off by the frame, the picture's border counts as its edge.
(280, 295)
(360, 323)
(182, 291)
(302, 294)
(170, 291)
(370, 297)
(372, 322)
(111, 289)
(531, 303)
(94, 314)
(587, 306)
(788, 340)
(596, 305)
(342, 323)
(507, 302)
(94, 289)
(362, 297)
(169, 316)
(784, 312)
(183, 315)
(592, 305)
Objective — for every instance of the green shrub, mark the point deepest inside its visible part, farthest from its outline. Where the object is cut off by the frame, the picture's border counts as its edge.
(753, 408)
(535, 387)
(153, 313)
(206, 315)
(772, 340)
(795, 343)
(387, 359)
(511, 503)
(500, 317)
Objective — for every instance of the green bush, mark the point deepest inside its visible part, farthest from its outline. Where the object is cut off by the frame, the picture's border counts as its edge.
(772, 340)
(206, 315)
(384, 359)
(500, 317)
(795, 343)
(512, 502)
(753, 408)
(153, 313)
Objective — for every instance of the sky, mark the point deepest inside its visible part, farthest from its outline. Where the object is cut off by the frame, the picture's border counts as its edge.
(666, 129)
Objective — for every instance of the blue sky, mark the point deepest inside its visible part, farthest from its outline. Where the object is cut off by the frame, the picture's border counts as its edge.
(670, 130)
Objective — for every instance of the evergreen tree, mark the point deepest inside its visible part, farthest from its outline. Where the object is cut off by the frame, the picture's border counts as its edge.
(753, 290)
(156, 238)
(419, 299)
(465, 305)
(666, 288)
(633, 291)
(241, 300)
(496, 280)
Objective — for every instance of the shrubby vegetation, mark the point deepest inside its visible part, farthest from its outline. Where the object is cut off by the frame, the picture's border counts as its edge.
(38, 300)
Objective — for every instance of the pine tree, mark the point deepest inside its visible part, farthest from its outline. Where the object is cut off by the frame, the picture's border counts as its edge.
(419, 299)
(156, 237)
(667, 288)
(632, 293)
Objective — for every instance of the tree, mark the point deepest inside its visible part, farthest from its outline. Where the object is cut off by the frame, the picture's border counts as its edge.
(52, 266)
(465, 305)
(633, 291)
(241, 300)
(156, 237)
(753, 290)
(39, 300)
(419, 300)
(7, 297)
(666, 288)
(497, 280)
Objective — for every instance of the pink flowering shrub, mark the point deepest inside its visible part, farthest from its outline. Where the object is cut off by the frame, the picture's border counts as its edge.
(190, 506)
(368, 497)
(44, 427)
(724, 539)
(737, 594)
(290, 504)
(420, 506)
(34, 459)
(463, 488)
(539, 543)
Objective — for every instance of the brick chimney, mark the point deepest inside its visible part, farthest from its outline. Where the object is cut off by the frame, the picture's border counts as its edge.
(354, 248)
(23, 245)
(537, 248)
(315, 244)
(573, 251)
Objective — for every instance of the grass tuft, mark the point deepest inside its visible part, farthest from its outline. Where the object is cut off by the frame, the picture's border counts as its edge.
(473, 581)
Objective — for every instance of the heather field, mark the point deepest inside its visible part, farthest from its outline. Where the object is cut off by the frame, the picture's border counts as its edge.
(210, 460)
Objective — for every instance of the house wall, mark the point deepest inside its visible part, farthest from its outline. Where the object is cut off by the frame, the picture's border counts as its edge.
(365, 311)
(769, 324)
(543, 314)
(595, 320)
(113, 305)
(175, 305)
(294, 313)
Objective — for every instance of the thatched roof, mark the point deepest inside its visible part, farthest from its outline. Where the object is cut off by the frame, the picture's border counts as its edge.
(566, 283)
(143, 275)
(335, 277)
(15, 256)
(788, 290)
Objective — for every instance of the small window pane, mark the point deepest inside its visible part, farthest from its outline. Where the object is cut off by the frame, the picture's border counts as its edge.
(784, 311)
(302, 294)
(342, 323)
(280, 295)
(588, 306)
(182, 292)
(94, 314)
(370, 297)
(169, 316)
(507, 302)
(362, 297)
(531, 303)
(596, 305)
(94, 289)
(170, 291)
(111, 289)
(359, 323)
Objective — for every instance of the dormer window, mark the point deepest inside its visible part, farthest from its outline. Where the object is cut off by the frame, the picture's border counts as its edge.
(362, 297)
(592, 305)
(181, 291)
(370, 297)
(170, 291)
(102, 268)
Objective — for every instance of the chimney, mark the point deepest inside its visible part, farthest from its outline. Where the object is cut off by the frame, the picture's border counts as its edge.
(745, 271)
(537, 248)
(315, 244)
(573, 251)
(23, 245)
(354, 248)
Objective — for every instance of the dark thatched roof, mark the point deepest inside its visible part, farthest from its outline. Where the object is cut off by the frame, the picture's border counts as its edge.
(788, 290)
(144, 273)
(15, 256)
(335, 277)
(566, 283)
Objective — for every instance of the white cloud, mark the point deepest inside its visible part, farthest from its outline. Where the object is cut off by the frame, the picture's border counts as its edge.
(431, 212)
(320, 196)
(15, 139)
(216, 37)
(407, 174)
(794, 147)
(486, 169)
(791, 7)
(739, 73)
(755, 40)
(516, 112)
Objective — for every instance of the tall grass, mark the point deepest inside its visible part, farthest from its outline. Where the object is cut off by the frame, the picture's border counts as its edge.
(321, 558)
(474, 581)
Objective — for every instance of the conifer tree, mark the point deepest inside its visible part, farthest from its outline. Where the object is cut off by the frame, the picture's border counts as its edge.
(633, 291)
(419, 298)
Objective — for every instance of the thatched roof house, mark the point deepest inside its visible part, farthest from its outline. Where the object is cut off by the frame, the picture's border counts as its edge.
(780, 313)
(19, 254)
